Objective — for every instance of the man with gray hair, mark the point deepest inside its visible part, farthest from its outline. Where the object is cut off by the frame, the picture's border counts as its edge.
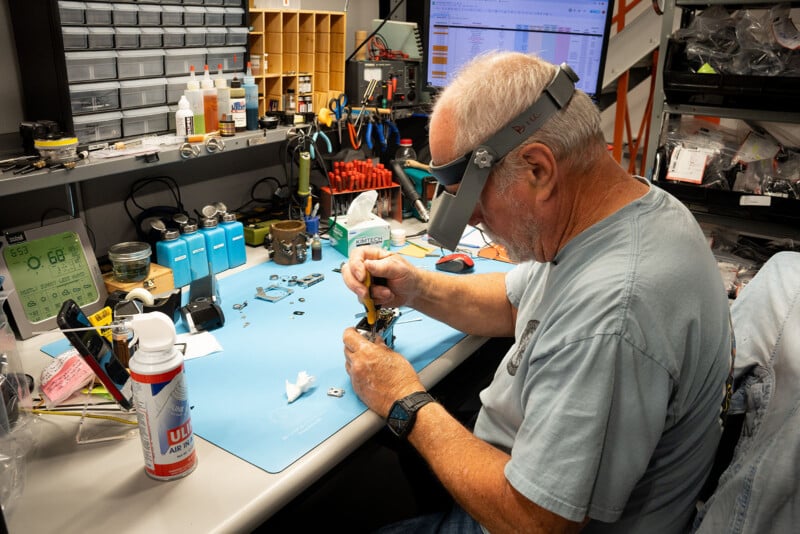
(606, 412)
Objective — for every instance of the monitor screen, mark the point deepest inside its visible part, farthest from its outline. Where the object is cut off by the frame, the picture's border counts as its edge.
(560, 31)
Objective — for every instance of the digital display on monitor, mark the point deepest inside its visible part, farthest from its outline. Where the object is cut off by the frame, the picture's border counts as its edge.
(568, 31)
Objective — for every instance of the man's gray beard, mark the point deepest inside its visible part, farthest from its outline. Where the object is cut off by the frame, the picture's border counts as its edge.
(519, 246)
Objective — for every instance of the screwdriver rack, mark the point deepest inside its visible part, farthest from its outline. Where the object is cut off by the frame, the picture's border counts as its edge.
(335, 203)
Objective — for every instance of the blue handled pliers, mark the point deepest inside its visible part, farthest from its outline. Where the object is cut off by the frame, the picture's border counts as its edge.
(319, 133)
(372, 126)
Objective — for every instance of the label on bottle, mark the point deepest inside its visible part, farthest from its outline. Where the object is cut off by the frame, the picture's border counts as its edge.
(165, 426)
(239, 113)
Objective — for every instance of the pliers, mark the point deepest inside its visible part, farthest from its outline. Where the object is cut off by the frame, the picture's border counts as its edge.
(391, 128)
(372, 126)
(319, 133)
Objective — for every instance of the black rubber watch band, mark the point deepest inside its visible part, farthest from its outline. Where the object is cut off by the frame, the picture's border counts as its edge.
(403, 413)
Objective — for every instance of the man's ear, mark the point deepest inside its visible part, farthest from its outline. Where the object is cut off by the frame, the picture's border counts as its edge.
(542, 166)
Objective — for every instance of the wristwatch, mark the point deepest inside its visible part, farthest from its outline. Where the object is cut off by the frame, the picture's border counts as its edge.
(403, 414)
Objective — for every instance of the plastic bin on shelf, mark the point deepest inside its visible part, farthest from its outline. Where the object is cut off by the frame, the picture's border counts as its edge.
(140, 63)
(146, 92)
(99, 14)
(177, 62)
(91, 66)
(75, 37)
(94, 97)
(101, 38)
(98, 127)
(145, 121)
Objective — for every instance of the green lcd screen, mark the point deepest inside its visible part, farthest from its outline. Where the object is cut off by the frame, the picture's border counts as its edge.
(46, 266)
(47, 272)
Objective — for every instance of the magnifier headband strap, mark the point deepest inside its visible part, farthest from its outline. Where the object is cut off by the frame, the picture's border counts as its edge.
(554, 97)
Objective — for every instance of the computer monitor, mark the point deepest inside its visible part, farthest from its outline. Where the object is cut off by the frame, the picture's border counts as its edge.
(571, 31)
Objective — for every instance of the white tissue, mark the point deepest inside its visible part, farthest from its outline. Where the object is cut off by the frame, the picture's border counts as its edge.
(361, 207)
(304, 382)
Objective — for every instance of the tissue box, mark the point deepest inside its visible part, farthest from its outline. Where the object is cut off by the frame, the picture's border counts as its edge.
(374, 231)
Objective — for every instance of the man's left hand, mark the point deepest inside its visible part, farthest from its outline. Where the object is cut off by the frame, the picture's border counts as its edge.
(379, 375)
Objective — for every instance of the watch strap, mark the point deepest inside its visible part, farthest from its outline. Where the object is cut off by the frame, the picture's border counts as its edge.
(403, 413)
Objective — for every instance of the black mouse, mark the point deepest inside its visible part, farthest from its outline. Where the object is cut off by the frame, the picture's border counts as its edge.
(455, 263)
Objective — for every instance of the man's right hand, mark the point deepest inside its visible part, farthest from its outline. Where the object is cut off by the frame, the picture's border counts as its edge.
(402, 277)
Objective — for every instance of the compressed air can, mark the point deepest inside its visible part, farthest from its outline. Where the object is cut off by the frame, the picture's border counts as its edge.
(161, 399)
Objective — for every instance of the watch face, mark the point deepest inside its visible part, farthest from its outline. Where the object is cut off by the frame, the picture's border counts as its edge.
(398, 419)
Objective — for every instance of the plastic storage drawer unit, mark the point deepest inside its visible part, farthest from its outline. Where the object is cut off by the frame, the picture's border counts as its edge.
(195, 36)
(216, 36)
(99, 14)
(98, 127)
(174, 37)
(177, 62)
(231, 57)
(215, 16)
(140, 63)
(152, 38)
(172, 16)
(236, 36)
(125, 15)
(90, 66)
(145, 121)
(175, 88)
(147, 92)
(194, 16)
(94, 97)
(127, 37)
(101, 38)
(71, 12)
(75, 37)
(149, 15)
(234, 16)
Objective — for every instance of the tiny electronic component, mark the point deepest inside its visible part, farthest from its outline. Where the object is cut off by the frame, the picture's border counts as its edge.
(311, 279)
(335, 392)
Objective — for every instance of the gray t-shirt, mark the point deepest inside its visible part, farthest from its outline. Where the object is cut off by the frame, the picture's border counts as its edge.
(609, 401)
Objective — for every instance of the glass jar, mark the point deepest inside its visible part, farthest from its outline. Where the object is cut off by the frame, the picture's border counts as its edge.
(130, 260)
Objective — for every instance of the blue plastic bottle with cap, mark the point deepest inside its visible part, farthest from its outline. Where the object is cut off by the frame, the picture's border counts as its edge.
(196, 243)
(234, 236)
(250, 99)
(215, 245)
(172, 252)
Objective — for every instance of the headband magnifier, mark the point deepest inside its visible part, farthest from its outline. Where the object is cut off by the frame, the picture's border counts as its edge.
(450, 213)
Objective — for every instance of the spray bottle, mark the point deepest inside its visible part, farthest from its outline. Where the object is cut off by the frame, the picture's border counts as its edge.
(160, 396)
(195, 97)
(210, 105)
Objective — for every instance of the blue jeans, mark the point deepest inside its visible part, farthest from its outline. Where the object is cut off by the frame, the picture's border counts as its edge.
(453, 521)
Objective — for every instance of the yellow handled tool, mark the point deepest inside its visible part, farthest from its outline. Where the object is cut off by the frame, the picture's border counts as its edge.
(369, 304)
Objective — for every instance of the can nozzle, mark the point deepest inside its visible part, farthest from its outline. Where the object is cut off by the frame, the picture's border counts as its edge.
(156, 333)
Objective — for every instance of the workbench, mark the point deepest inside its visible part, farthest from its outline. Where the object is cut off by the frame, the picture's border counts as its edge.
(240, 415)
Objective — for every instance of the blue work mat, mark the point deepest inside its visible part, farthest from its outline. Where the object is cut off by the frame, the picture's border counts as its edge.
(239, 395)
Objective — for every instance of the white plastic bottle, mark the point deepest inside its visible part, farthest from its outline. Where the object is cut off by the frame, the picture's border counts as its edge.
(184, 118)
(223, 95)
(161, 400)
(194, 95)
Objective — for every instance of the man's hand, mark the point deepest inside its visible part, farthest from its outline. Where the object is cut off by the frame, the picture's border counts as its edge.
(379, 375)
(401, 276)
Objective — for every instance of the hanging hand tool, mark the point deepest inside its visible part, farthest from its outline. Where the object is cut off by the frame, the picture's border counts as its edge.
(338, 105)
(364, 100)
(378, 129)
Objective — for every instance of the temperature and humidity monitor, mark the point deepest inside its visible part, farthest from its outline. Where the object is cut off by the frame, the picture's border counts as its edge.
(45, 266)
